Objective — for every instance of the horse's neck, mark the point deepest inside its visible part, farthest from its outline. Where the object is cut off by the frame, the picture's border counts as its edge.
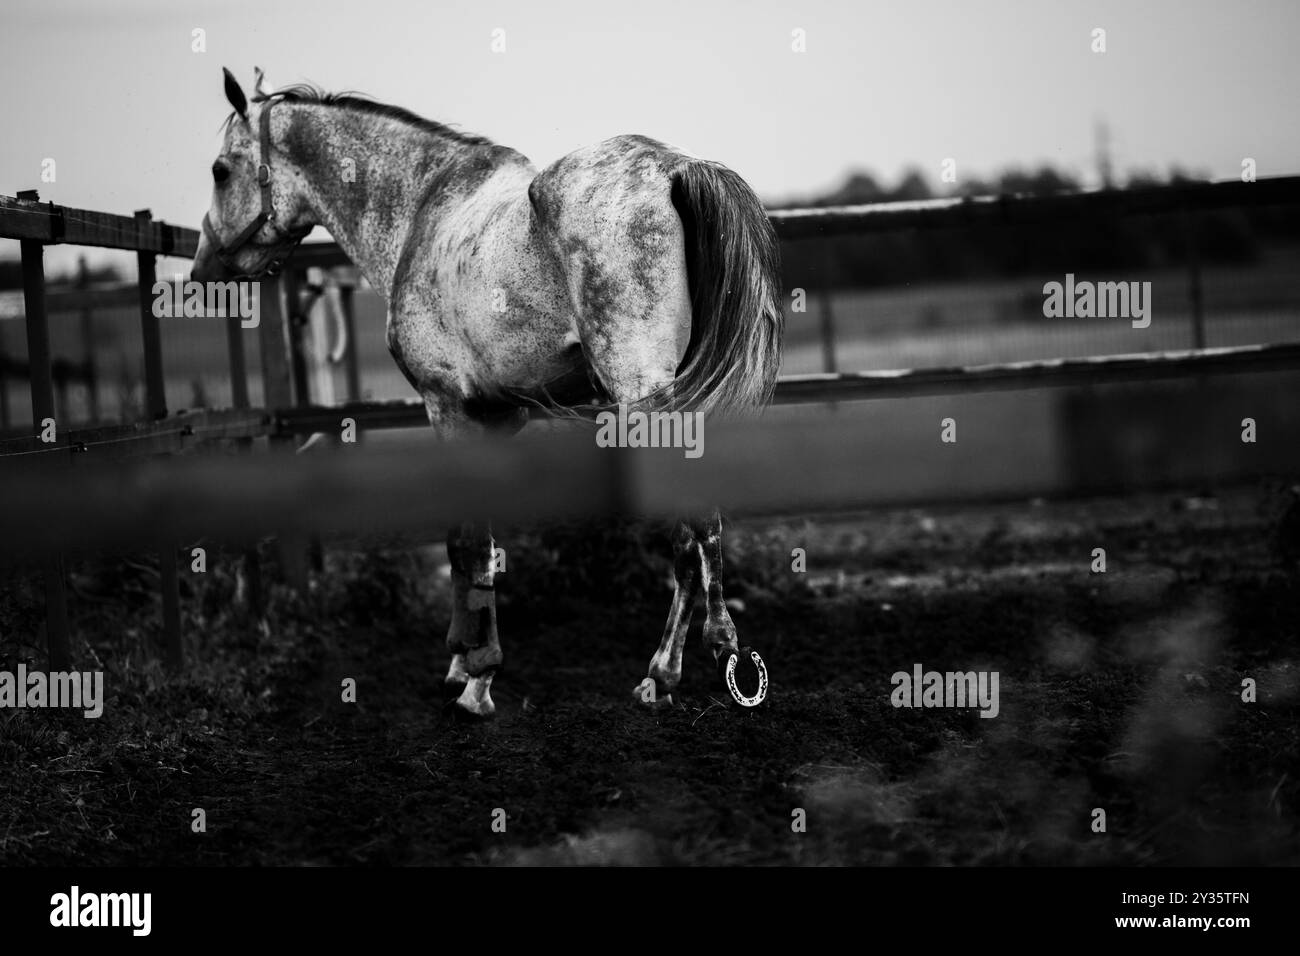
(366, 179)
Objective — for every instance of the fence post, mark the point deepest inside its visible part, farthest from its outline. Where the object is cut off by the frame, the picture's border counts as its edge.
(59, 372)
(238, 364)
(1195, 293)
(301, 382)
(351, 361)
(155, 389)
(277, 389)
(296, 322)
(347, 280)
(169, 579)
(277, 393)
(239, 399)
(829, 363)
(57, 635)
(88, 345)
(4, 386)
(154, 385)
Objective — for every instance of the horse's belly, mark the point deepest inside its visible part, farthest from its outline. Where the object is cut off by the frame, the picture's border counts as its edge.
(496, 312)
(526, 349)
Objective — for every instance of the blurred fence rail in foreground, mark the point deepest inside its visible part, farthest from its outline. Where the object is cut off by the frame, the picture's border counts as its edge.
(748, 468)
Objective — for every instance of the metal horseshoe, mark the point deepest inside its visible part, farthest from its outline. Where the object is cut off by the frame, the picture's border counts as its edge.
(729, 678)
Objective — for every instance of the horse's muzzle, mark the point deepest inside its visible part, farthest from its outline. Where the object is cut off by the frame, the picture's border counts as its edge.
(207, 267)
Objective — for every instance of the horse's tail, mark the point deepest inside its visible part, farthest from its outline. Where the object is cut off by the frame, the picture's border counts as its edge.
(733, 262)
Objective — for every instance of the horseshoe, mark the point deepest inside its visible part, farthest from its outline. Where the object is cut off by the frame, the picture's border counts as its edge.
(729, 678)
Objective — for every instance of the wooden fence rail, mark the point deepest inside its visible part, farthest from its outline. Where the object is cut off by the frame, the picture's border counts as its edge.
(190, 429)
(900, 383)
(48, 224)
(25, 217)
(1024, 209)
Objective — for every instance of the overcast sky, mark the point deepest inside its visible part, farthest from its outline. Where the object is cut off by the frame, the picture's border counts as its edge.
(114, 93)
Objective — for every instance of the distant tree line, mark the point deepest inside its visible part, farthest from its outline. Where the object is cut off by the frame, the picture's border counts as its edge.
(986, 250)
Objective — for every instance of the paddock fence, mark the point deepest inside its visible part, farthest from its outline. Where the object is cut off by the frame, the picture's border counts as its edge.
(52, 505)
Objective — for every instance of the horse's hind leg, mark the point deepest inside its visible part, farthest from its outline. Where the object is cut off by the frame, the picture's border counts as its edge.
(666, 666)
(697, 569)
(719, 631)
(472, 636)
(741, 669)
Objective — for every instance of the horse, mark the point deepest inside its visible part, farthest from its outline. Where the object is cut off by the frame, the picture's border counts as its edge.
(625, 272)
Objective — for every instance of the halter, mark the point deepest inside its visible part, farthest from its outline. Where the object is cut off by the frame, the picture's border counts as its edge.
(225, 253)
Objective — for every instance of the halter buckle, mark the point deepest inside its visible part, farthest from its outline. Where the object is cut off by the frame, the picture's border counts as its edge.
(263, 174)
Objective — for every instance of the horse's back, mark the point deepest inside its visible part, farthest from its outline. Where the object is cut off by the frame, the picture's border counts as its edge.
(612, 174)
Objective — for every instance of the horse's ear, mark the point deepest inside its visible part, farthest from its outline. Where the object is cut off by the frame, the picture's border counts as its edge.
(235, 94)
(261, 89)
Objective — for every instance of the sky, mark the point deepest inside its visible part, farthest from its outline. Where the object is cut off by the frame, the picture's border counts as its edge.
(115, 92)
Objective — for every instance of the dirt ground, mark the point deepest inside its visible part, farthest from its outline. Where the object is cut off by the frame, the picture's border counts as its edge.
(1119, 690)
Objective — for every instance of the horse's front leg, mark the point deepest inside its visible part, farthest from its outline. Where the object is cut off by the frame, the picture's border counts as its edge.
(472, 636)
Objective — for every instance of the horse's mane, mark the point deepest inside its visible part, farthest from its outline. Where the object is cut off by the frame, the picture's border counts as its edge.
(360, 102)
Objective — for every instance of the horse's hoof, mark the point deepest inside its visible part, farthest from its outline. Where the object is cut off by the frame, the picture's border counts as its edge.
(458, 713)
(647, 694)
(744, 675)
(452, 689)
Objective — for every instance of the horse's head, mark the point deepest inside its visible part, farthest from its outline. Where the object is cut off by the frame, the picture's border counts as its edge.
(257, 215)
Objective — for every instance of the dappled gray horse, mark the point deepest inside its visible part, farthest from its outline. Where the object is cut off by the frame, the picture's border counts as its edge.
(626, 272)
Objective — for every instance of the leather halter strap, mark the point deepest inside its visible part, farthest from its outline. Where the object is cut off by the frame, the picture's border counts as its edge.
(225, 252)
